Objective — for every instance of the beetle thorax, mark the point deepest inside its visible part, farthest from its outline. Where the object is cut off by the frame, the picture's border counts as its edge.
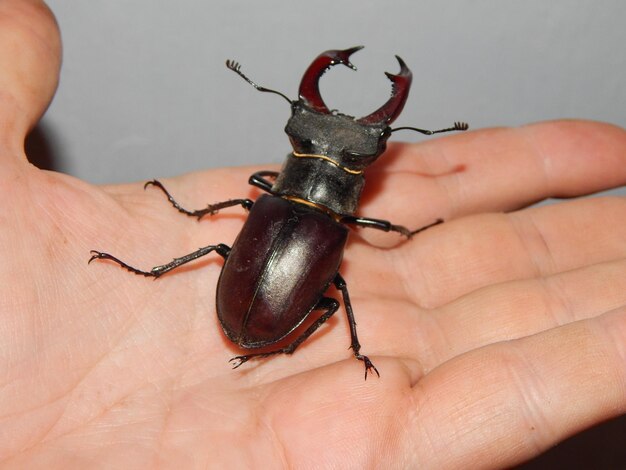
(330, 152)
(335, 137)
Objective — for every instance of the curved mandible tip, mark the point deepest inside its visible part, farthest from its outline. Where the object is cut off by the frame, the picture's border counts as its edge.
(309, 86)
(400, 86)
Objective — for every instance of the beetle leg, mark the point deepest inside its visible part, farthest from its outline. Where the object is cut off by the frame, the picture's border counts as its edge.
(458, 126)
(221, 249)
(235, 67)
(340, 284)
(257, 179)
(210, 209)
(385, 225)
(325, 303)
(330, 305)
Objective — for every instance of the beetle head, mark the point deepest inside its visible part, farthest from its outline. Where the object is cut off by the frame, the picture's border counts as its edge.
(351, 143)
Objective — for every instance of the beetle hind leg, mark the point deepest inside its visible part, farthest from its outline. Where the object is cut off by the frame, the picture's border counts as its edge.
(331, 306)
(325, 303)
(340, 284)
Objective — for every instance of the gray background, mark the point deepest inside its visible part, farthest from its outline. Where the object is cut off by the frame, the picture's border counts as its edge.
(144, 92)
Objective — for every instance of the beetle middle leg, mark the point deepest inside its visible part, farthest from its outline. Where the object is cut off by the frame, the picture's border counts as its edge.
(210, 209)
(385, 225)
(221, 249)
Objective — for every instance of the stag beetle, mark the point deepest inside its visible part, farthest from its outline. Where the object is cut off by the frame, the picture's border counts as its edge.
(291, 245)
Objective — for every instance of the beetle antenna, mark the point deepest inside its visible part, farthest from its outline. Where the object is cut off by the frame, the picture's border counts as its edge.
(458, 126)
(235, 67)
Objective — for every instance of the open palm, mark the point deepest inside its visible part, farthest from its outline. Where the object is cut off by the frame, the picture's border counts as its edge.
(497, 334)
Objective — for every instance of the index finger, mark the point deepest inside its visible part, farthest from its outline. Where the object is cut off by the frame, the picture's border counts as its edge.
(494, 170)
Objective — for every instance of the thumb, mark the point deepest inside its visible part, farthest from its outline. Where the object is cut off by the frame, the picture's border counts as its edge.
(30, 58)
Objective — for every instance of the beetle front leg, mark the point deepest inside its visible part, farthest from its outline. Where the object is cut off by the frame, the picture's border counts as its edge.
(221, 249)
(210, 209)
(340, 284)
(385, 225)
(258, 179)
(325, 303)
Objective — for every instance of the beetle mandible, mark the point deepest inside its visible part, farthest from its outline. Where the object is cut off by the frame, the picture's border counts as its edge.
(290, 248)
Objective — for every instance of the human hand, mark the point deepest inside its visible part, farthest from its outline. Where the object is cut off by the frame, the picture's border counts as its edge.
(497, 334)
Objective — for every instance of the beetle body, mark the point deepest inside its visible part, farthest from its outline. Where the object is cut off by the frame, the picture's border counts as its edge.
(280, 265)
(289, 251)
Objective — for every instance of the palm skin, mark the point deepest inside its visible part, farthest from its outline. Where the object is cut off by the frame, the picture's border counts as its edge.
(497, 334)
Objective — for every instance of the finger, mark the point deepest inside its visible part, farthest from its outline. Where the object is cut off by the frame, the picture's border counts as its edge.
(499, 312)
(30, 55)
(494, 170)
(507, 402)
(511, 310)
(456, 258)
